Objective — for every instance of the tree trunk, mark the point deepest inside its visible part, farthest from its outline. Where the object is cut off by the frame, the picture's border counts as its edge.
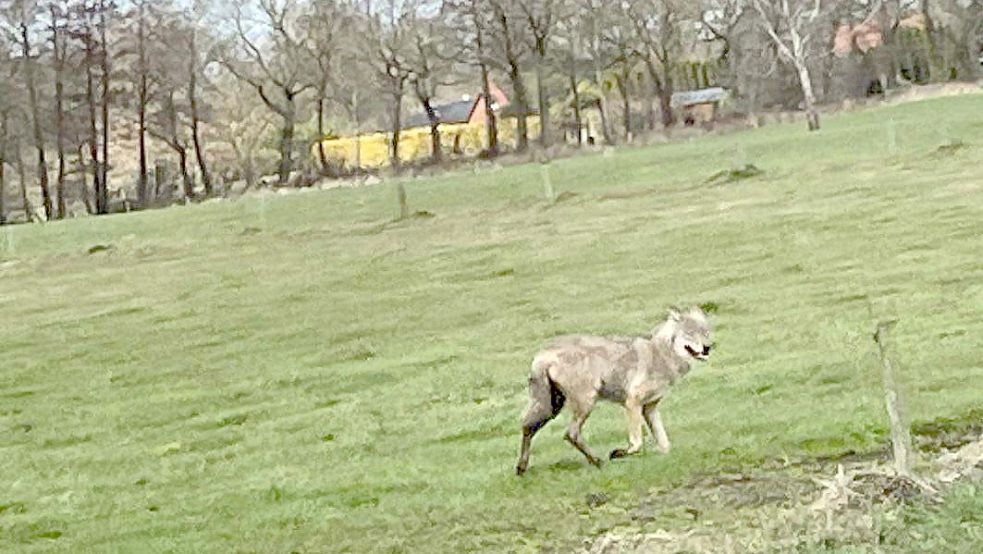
(543, 98)
(663, 87)
(81, 168)
(397, 116)
(90, 97)
(518, 85)
(577, 117)
(103, 199)
(3, 161)
(206, 176)
(650, 106)
(358, 132)
(249, 172)
(142, 100)
(60, 124)
(22, 176)
(929, 37)
(173, 139)
(622, 81)
(59, 53)
(602, 108)
(805, 80)
(436, 155)
(159, 179)
(32, 95)
(665, 108)
(287, 140)
(3, 184)
(189, 183)
(322, 154)
(491, 121)
(521, 107)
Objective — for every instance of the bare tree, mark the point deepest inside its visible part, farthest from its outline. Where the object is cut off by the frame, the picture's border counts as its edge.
(135, 44)
(511, 32)
(325, 25)
(22, 178)
(791, 25)
(4, 137)
(594, 23)
(167, 128)
(83, 30)
(276, 72)
(21, 17)
(59, 55)
(430, 61)
(471, 19)
(389, 45)
(105, 8)
(568, 32)
(244, 124)
(541, 16)
(623, 55)
(7, 104)
(198, 59)
(961, 30)
(657, 30)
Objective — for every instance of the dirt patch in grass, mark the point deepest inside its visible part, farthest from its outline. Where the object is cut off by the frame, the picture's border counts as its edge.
(728, 176)
(949, 149)
(948, 433)
(814, 505)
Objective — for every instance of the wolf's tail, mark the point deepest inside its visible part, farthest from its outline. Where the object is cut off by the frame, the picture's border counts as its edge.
(544, 394)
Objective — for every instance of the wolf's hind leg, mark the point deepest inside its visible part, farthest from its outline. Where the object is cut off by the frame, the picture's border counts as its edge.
(635, 419)
(545, 402)
(581, 411)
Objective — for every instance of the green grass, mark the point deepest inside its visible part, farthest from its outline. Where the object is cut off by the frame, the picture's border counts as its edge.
(295, 374)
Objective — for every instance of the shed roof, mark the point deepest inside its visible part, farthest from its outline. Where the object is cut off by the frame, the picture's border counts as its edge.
(702, 96)
(455, 112)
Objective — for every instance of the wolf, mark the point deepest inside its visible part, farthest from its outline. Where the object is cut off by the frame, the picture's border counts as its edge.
(635, 372)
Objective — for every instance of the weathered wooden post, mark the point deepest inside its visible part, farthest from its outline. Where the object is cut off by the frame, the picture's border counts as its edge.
(544, 169)
(404, 208)
(900, 426)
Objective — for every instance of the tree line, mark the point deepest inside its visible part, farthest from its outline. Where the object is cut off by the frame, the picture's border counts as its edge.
(95, 92)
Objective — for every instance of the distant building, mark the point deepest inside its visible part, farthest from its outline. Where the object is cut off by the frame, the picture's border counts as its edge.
(866, 36)
(462, 130)
(469, 110)
(699, 106)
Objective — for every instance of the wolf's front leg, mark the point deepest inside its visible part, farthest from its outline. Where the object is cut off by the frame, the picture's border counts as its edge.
(635, 419)
(654, 420)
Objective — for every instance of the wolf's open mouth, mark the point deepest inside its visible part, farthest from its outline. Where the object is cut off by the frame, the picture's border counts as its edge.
(694, 353)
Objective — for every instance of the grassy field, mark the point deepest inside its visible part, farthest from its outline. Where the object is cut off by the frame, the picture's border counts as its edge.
(299, 374)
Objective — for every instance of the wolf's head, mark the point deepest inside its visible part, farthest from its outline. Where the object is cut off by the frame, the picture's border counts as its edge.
(691, 333)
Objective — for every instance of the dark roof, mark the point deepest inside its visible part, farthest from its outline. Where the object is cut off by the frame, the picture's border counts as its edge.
(702, 96)
(513, 111)
(455, 112)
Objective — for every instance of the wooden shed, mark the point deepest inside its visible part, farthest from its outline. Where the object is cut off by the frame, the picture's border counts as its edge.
(699, 106)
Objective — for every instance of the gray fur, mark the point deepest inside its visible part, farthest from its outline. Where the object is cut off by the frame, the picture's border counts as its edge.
(635, 372)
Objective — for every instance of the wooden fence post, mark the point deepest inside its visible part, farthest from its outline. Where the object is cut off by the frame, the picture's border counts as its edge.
(900, 430)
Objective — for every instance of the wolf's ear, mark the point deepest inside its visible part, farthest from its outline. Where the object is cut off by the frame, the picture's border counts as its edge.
(675, 314)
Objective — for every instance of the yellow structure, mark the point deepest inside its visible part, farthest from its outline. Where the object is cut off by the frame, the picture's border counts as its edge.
(467, 139)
